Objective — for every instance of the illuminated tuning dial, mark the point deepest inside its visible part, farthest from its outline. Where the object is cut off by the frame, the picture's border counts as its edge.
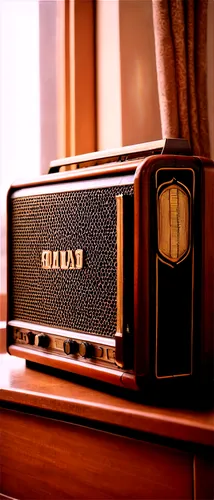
(41, 340)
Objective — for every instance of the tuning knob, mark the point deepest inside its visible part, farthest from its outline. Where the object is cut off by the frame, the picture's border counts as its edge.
(31, 338)
(85, 350)
(41, 340)
(70, 346)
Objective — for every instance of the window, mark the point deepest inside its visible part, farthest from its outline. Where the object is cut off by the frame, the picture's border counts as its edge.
(19, 100)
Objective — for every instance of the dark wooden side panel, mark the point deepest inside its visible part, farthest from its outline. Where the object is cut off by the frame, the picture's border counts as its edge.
(47, 459)
(207, 350)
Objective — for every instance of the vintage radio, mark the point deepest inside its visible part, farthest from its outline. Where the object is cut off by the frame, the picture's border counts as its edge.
(110, 267)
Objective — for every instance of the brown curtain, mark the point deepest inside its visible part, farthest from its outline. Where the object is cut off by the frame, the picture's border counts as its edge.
(180, 28)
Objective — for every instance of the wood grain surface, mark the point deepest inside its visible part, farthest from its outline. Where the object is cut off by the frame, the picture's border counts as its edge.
(2, 337)
(203, 476)
(43, 458)
(21, 385)
(3, 306)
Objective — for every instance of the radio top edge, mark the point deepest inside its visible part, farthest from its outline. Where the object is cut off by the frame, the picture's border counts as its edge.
(163, 146)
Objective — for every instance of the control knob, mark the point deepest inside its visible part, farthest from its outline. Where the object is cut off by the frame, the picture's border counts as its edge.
(41, 340)
(31, 338)
(86, 350)
(70, 346)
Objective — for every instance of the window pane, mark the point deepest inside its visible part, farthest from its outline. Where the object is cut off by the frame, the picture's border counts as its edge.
(19, 100)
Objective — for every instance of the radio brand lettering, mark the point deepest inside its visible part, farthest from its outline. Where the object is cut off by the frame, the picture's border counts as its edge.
(62, 259)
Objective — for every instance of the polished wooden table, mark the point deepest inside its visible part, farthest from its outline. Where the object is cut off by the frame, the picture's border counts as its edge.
(63, 439)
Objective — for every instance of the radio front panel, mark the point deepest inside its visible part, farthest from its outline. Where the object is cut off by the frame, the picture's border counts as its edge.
(64, 256)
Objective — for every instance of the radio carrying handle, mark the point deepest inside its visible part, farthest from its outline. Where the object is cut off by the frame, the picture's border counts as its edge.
(163, 146)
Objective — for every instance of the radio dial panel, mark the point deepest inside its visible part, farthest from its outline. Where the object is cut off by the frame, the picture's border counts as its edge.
(55, 344)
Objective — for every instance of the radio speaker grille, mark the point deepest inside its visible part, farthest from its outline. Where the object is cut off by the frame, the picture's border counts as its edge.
(75, 299)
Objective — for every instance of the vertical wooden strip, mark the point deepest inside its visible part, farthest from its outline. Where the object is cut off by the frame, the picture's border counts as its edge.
(75, 76)
(120, 250)
(83, 91)
(48, 97)
(207, 344)
(203, 478)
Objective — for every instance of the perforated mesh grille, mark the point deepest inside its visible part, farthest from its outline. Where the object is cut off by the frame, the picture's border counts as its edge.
(84, 299)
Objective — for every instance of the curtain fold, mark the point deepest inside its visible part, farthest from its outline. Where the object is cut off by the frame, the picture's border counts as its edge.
(180, 29)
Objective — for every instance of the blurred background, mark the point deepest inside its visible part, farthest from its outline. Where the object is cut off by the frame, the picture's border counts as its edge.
(83, 75)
